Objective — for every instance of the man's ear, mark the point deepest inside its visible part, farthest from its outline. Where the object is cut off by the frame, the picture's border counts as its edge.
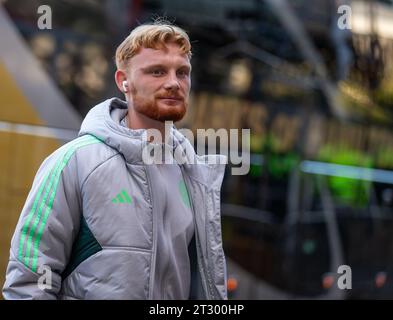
(121, 81)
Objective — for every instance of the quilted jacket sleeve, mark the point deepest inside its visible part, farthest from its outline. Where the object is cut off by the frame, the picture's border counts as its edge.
(47, 227)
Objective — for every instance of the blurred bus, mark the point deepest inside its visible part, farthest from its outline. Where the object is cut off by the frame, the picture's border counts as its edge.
(319, 194)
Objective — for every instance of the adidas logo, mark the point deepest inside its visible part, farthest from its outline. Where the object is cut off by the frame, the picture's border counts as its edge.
(122, 197)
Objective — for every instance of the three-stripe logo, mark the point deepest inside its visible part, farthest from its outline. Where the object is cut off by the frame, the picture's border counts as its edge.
(122, 197)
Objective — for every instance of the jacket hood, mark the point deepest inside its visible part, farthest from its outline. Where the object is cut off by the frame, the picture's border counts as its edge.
(103, 122)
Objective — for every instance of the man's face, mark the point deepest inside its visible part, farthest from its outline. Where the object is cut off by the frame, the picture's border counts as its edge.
(159, 82)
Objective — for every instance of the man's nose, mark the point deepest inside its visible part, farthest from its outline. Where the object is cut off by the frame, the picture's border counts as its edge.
(172, 83)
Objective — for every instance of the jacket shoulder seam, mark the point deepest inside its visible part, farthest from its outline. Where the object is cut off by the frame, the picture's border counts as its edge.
(97, 166)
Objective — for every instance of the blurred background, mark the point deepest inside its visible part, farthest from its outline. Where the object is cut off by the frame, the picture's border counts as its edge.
(318, 100)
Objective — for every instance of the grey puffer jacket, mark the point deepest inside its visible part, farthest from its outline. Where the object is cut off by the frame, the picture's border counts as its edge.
(88, 227)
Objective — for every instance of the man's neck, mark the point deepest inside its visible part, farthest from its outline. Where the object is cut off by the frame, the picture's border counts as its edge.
(137, 120)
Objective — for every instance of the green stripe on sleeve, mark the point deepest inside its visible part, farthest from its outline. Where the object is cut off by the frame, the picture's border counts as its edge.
(52, 198)
(36, 200)
(53, 176)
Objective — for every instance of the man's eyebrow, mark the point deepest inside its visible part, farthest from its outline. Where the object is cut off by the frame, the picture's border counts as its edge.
(153, 66)
(158, 65)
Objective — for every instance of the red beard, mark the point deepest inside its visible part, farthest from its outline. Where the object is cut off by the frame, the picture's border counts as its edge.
(163, 112)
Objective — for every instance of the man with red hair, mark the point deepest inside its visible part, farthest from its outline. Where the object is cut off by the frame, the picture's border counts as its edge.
(100, 223)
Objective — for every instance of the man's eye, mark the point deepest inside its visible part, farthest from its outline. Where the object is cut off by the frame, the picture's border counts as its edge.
(183, 73)
(157, 72)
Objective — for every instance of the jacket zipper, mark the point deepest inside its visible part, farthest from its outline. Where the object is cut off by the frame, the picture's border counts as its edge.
(154, 254)
(202, 270)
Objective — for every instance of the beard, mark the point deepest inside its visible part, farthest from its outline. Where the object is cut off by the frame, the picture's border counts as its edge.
(156, 109)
